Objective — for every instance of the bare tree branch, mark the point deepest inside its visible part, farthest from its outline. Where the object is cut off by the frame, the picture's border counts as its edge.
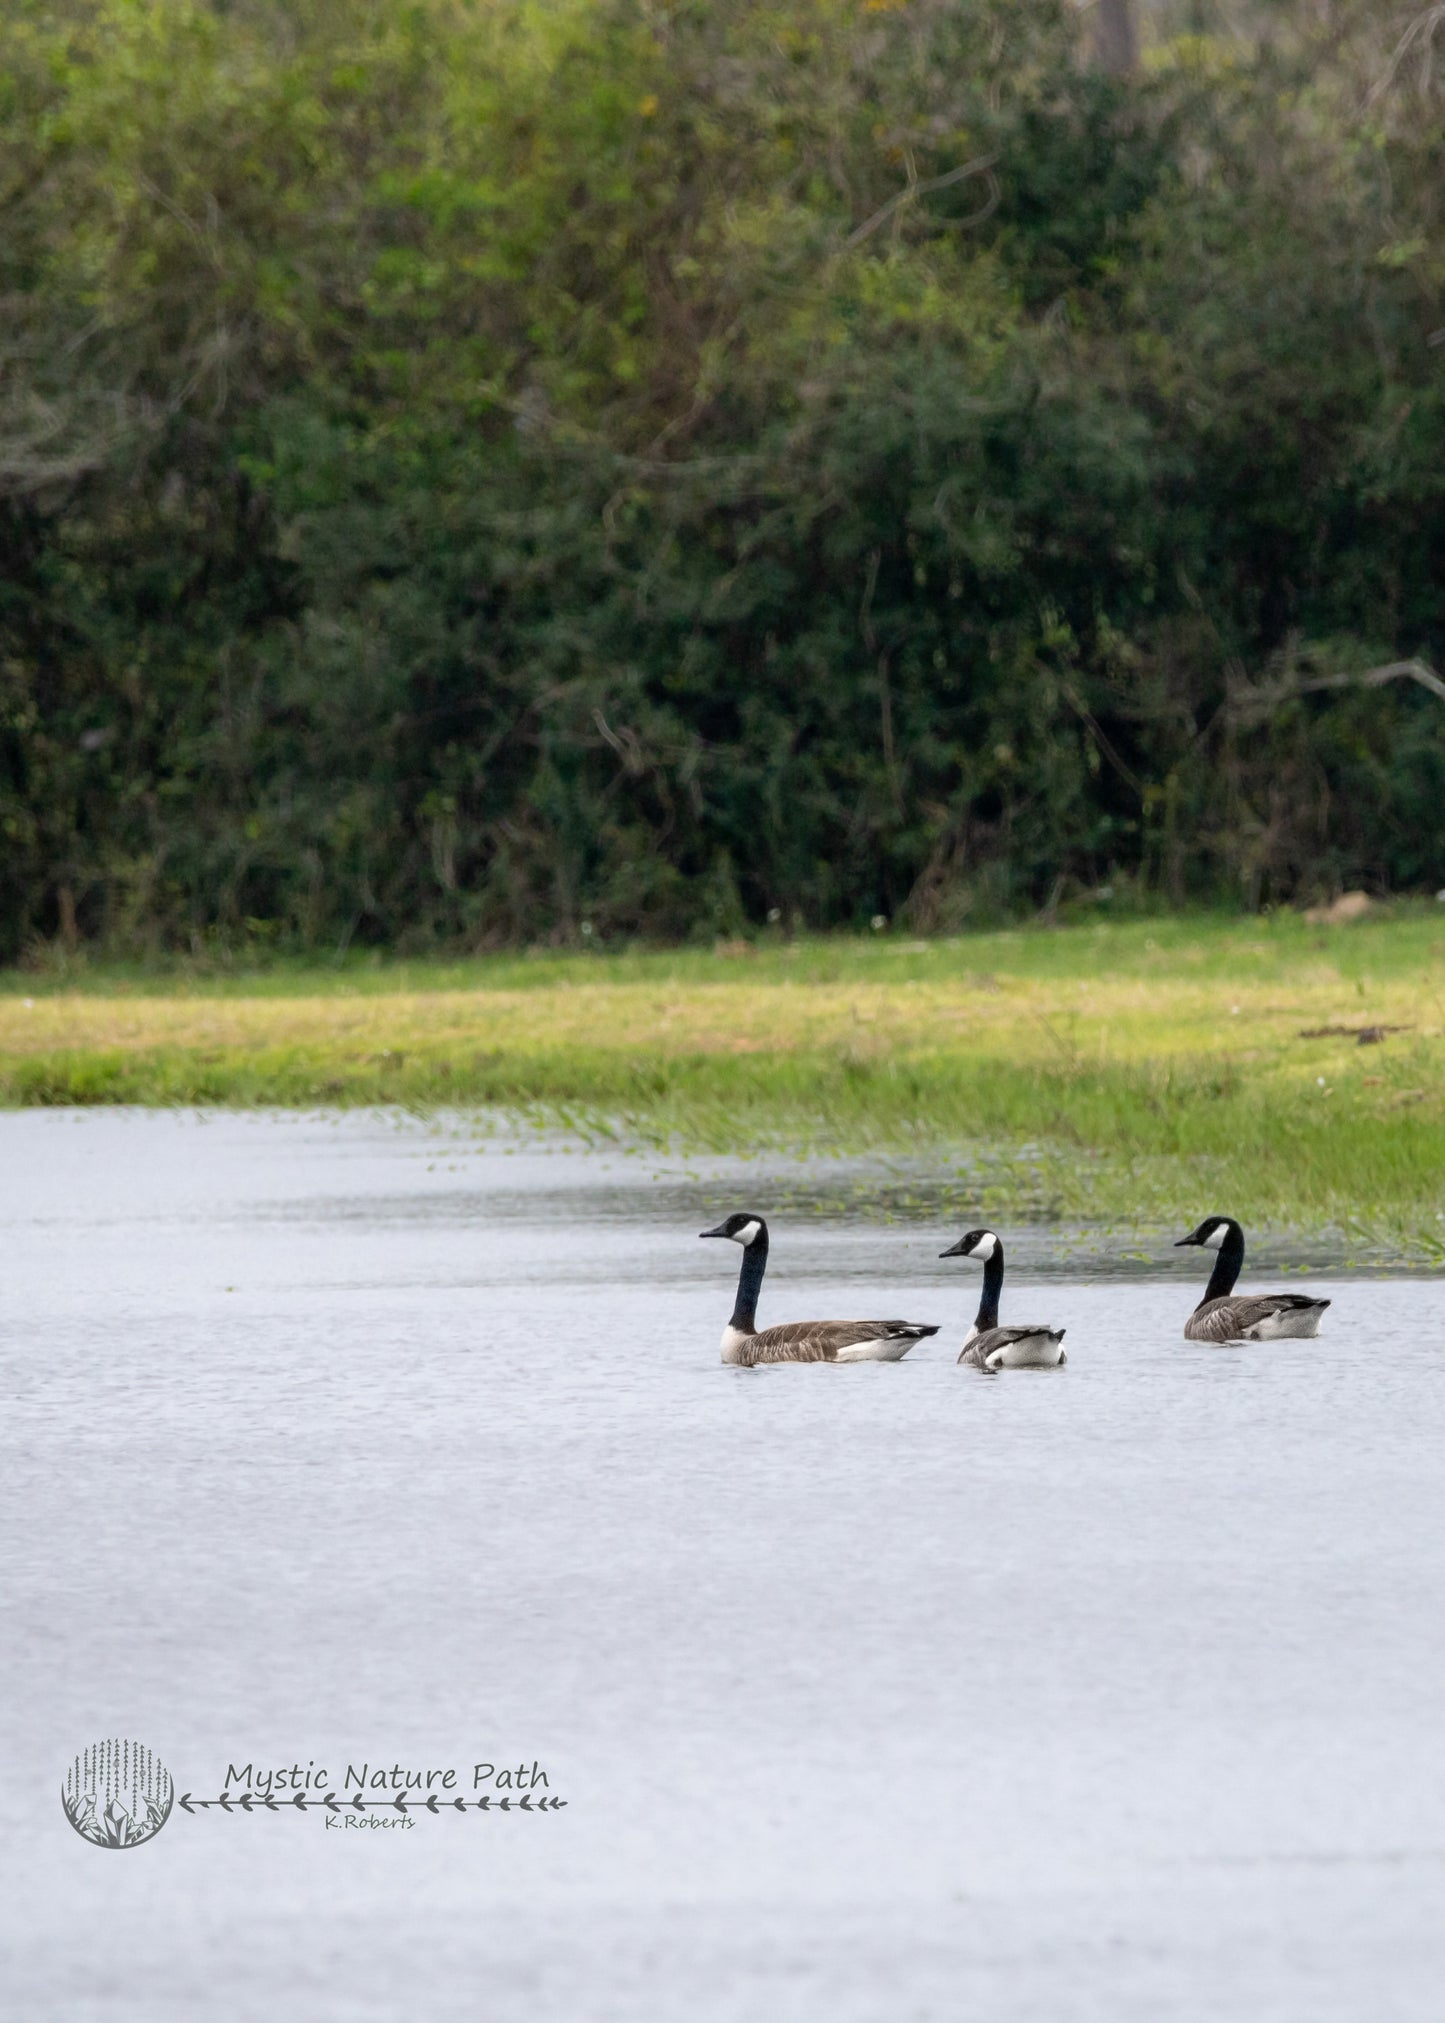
(1248, 705)
(1091, 725)
(983, 166)
(1420, 35)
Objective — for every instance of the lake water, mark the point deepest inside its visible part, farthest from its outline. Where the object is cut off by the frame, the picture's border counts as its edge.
(888, 1692)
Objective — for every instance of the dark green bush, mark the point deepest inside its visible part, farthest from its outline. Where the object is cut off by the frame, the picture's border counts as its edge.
(468, 473)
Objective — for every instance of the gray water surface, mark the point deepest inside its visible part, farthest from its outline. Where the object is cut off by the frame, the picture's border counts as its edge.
(888, 1692)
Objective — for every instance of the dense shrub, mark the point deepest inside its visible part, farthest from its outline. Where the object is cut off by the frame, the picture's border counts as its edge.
(470, 468)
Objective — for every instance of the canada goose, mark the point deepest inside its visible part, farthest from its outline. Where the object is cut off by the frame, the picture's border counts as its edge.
(990, 1347)
(1253, 1317)
(800, 1341)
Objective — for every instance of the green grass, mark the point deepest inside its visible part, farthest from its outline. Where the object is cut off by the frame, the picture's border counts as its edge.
(1147, 1072)
(1397, 941)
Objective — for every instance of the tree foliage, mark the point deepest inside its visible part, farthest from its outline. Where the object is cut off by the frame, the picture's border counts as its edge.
(476, 467)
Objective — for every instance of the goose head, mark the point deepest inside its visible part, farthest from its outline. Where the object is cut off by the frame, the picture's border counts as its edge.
(744, 1229)
(1211, 1233)
(980, 1243)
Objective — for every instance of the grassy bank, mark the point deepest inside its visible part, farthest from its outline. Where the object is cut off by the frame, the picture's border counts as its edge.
(1152, 1070)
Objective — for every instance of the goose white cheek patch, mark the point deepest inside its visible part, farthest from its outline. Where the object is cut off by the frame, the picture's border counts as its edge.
(1215, 1237)
(986, 1248)
(748, 1232)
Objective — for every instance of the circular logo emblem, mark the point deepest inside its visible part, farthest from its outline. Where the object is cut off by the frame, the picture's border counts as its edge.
(117, 1794)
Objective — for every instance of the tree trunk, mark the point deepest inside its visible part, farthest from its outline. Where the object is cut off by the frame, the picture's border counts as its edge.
(69, 931)
(1116, 44)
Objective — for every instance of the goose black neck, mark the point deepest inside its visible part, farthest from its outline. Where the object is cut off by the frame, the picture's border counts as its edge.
(1227, 1266)
(992, 1287)
(750, 1282)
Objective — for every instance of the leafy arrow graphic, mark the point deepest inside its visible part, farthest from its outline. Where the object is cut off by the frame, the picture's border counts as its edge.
(247, 1801)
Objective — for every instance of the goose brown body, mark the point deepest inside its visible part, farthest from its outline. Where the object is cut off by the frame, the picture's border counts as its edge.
(825, 1342)
(1015, 1349)
(1261, 1317)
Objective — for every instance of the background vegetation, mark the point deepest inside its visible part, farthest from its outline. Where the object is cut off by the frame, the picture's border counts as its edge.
(483, 473)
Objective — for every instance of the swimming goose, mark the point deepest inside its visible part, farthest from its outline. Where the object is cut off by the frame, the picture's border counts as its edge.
(1252, 1317)
(990, 1347)
(800, 1341)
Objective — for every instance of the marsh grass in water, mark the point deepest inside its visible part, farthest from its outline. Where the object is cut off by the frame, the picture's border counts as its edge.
(1143, 1072)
